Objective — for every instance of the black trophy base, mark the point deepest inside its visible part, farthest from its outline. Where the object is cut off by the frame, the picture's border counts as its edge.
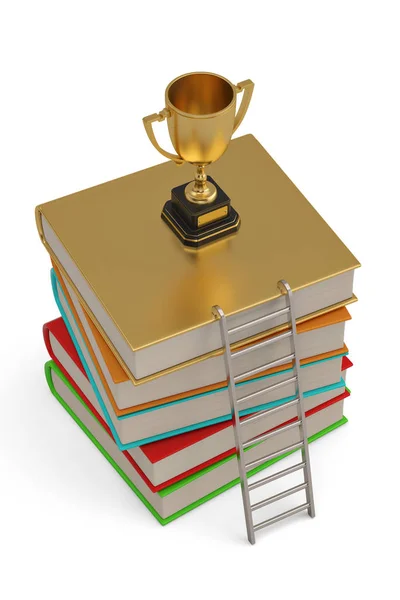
(199, 224)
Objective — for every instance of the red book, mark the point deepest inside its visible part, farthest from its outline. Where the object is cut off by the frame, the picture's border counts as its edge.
(164, 462)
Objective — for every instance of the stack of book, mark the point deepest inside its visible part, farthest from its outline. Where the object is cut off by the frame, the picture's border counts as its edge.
(137, 357)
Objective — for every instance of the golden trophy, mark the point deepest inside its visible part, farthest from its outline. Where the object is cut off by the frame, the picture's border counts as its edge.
(200, 109)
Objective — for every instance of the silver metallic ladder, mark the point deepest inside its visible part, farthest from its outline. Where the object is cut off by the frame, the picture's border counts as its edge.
(244, 467)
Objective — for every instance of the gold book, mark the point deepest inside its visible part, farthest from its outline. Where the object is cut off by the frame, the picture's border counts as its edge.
(151, 297)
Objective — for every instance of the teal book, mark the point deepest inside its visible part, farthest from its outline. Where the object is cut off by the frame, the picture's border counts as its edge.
(121, 428)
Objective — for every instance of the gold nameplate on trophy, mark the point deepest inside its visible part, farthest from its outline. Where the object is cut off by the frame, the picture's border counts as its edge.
(212, 216)
(200, 109)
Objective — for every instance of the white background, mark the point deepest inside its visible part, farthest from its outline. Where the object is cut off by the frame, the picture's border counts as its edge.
(76, 79)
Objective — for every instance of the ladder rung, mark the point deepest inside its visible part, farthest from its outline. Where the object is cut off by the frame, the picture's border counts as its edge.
(269, 411)
(280, 496)
(269, 365)
(268, 389)
(282, 516)
(277, 313)
(270, 434)
(269, 342)
(259, 461)
(278, 475)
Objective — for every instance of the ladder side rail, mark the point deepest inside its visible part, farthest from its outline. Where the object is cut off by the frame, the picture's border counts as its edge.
(219, 313)
(300, 407)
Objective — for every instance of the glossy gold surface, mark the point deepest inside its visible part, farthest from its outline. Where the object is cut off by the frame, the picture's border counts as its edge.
(153, 287)
(200, 109)
(212, 216)
(200, 191)
(200, 93)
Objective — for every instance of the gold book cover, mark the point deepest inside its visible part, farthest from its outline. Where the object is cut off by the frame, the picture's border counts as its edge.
(151, 298)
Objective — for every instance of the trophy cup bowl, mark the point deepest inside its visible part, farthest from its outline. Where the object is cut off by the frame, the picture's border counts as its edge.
(200, 109)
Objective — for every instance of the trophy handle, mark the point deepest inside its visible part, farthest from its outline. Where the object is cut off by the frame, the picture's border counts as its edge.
(148, 125)
(247, 88)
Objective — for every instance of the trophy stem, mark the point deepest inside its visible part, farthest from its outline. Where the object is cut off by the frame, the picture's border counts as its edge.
(201, 191)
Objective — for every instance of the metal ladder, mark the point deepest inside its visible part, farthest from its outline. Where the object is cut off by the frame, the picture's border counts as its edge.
(244, 467)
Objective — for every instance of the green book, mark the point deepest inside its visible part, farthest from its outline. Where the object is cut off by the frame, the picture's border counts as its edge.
(179, 498)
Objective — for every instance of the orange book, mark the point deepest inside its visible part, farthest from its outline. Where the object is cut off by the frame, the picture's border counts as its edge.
(112, 374)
